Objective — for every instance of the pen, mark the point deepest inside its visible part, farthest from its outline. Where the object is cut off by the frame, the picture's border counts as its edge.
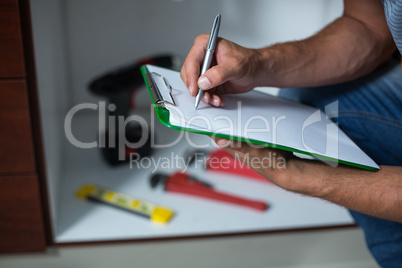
(209, 53)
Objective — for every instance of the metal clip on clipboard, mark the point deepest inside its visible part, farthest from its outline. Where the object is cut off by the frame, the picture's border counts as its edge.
(155, 92)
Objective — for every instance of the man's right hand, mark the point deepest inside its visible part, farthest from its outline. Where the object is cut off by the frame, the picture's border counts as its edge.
(234, 69)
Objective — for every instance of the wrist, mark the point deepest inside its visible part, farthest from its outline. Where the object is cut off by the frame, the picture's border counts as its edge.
(306, 177)
(269, 61)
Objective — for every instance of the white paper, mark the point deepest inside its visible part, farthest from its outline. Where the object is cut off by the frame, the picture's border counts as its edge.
(264, 118)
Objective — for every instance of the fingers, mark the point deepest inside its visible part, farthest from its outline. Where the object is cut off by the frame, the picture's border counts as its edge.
(229, 67)
(218, 75)
(263, 160)
(231, 146)
(213, 99)
(190, 71)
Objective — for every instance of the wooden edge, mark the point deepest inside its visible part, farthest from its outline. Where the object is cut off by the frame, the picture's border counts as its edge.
(33, 94)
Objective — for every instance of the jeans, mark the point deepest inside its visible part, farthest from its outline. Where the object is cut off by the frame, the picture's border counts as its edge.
(370, 113)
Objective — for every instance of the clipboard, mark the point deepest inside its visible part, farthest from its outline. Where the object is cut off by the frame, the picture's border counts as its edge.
(169, 95)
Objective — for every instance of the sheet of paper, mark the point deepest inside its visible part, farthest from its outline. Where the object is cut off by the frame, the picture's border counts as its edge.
(261, 117)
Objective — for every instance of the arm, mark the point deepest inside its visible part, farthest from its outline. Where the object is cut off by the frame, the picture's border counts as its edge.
(374, 193)
(350, 47)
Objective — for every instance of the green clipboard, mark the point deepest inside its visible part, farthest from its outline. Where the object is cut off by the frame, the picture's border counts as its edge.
(163, 116)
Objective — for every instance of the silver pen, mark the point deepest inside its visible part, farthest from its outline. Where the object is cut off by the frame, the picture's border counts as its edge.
(209, 53)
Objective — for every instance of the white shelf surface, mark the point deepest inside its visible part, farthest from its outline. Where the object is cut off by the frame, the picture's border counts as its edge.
(81, 221)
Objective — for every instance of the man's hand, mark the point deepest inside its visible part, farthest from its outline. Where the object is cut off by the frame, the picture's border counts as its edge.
(350, 47)
(234, 70)
(277, 166)
(373, 193)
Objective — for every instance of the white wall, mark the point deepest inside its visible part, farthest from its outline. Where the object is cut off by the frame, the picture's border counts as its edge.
(76, 40)
(53, 84)
(104, 34)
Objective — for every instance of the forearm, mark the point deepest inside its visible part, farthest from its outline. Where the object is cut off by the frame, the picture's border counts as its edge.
(374, 193)
(343, 51)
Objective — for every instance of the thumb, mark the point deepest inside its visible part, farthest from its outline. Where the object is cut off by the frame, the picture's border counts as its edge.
(217, 75)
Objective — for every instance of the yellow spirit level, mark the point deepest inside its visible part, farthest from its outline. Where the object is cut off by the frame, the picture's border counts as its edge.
(155, 213)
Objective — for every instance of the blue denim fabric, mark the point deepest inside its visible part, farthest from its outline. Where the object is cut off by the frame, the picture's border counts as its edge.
(370, 112)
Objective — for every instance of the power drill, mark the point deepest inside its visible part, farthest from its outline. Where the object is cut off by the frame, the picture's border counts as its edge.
(119, 87)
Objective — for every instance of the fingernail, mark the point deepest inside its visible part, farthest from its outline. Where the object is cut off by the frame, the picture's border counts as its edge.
(192, 90)
(206, 97)
(204, 83)
(223, 143)
(215, 101)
